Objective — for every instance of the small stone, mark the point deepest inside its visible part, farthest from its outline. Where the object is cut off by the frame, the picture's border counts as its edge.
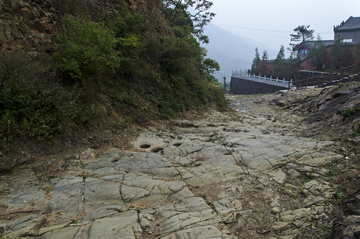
(278, 176)
(279, 225)
(275, 202)
(293, 173)
(275, 210)
(298, 223)
(237, 204)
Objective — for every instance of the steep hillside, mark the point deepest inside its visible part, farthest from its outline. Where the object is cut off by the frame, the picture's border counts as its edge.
(31, 25)
(69, 66)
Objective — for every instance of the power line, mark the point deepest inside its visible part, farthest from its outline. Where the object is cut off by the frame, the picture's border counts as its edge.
(264, 30)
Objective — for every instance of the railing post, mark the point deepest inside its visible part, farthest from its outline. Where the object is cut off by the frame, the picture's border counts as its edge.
(318, 81)
(331, 75)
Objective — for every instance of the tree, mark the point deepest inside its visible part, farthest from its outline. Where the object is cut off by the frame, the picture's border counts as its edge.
(176, 12)
(211, 66)
(302, 34)
(256, 63)
(340, 54)
(292, 66)
(357, 52)
(277, 66)
(317, 57)
(264, 65)
(87, 49)
(225, 86)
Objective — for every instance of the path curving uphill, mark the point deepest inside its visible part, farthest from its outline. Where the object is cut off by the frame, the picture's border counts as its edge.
(241, 174)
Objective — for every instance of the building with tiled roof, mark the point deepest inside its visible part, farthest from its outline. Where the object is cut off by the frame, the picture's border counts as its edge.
(349, 30)
(306, 46)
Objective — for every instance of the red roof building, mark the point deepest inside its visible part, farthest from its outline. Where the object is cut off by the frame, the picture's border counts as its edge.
(349, 31)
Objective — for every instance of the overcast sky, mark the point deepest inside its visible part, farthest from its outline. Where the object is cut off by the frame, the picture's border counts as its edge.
(271, 21)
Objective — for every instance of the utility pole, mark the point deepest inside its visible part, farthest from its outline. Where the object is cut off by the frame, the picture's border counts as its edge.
(224, 84)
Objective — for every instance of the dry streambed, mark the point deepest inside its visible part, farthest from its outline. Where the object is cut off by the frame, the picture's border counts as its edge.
(245, 174)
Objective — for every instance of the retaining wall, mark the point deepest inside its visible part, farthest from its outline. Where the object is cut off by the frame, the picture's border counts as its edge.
(240, 86)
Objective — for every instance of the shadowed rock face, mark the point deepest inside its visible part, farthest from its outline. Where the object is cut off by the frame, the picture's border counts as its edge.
(324, 108)
(348, 226)
(228, 175)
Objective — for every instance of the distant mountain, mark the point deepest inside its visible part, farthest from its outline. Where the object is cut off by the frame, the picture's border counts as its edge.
(233, 52)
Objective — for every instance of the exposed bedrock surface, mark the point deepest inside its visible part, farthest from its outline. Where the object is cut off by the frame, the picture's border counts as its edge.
(244, 174)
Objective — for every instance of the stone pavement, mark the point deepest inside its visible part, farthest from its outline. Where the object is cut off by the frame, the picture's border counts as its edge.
(229, 175)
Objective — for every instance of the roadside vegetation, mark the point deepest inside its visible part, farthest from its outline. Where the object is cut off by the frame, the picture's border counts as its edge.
(110, 67)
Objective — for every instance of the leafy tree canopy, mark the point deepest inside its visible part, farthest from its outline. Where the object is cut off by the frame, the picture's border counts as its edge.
(357, 51)
(340, 54)
(211, 65)
(302, 33)
(277, 66)
(256, 63)
(292, 66)
(264, 66)
(317, 57)
(178, 14)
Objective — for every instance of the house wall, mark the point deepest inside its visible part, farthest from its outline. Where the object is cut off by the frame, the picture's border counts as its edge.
(305, 65)
(328, 64)
(354, 35)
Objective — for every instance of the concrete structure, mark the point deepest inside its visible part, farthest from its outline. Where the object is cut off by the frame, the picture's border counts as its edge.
(246, 84)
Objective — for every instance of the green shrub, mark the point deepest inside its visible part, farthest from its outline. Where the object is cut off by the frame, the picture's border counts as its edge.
(350, 112)
(32, 103)
(86, 49)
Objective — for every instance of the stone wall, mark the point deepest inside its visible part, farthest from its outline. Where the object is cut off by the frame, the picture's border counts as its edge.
(247, 87)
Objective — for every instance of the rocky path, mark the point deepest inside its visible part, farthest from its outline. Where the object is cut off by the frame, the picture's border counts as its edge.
(244, 174)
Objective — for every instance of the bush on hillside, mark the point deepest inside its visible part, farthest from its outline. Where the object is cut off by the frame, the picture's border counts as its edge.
(114, 61)
(32, 103)
(87, 49)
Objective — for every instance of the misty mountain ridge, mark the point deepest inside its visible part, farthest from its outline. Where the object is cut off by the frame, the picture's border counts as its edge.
(231, 51)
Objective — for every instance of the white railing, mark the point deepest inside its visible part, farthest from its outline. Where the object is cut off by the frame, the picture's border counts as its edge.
(263, 79)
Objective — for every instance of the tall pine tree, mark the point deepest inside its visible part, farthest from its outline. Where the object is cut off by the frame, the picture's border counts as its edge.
(277, 66)
(317, 57)
(256, 63)
(340, 54)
